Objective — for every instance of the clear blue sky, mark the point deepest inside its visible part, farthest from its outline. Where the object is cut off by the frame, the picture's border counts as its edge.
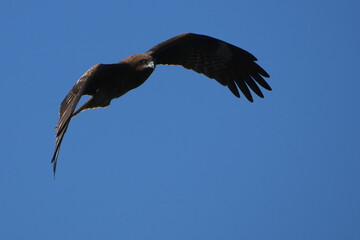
(180, 157)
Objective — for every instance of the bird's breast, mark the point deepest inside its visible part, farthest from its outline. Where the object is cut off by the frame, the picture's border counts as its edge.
(117, 86)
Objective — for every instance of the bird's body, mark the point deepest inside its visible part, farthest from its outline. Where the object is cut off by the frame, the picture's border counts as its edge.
(116, 80)
(229, 65)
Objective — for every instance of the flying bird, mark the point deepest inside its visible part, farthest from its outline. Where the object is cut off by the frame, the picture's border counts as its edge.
(229, 65)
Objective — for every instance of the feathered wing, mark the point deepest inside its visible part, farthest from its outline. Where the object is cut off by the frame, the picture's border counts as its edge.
(84, 86)
(229, 65)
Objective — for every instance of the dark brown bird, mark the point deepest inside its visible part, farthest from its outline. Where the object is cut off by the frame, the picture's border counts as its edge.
(229, 65)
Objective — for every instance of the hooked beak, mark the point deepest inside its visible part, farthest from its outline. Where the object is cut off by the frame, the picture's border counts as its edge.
(151, 64)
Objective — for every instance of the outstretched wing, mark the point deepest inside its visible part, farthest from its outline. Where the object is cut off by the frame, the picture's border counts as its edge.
(86, 85)
(226, 63)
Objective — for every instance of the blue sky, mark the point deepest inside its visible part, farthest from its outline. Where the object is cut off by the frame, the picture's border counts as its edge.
(180, 157)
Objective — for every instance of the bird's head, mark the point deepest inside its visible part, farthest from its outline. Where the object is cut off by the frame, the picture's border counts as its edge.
(140, 62)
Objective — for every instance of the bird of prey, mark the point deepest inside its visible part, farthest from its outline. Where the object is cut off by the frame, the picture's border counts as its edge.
(229, 65)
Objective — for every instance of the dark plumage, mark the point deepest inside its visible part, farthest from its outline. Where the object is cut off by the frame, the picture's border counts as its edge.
(229, 65)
